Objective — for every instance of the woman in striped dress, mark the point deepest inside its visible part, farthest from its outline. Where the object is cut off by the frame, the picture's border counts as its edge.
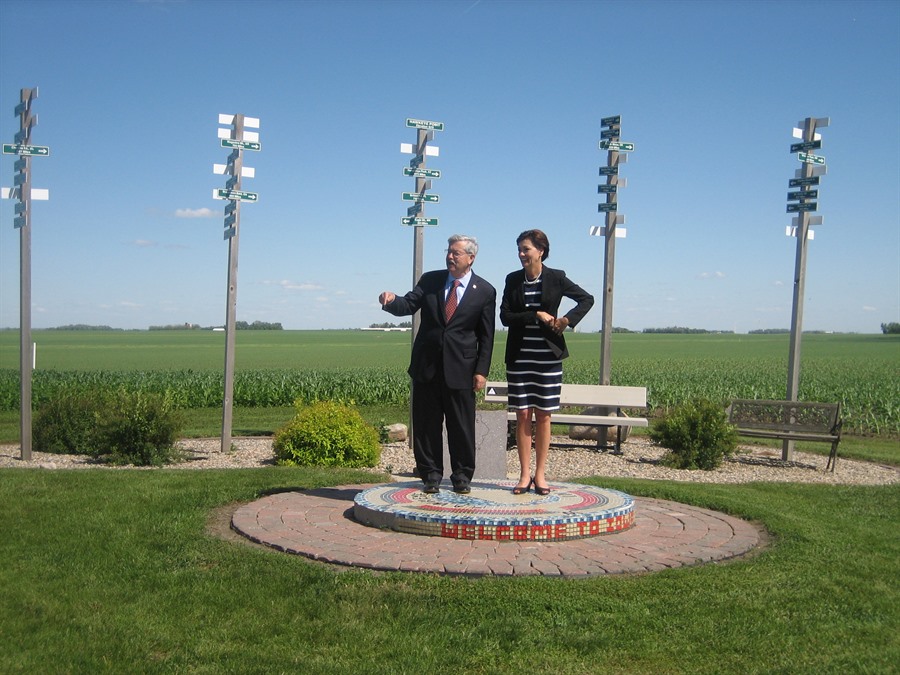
(535, 348)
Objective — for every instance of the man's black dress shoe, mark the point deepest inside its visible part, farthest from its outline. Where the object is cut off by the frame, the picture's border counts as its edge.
(462, 489)
(430, 488)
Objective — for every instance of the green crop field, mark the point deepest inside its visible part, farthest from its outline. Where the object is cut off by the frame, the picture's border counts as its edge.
(273, 368)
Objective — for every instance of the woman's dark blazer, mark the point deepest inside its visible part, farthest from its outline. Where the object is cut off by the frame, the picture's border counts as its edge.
(554, 287)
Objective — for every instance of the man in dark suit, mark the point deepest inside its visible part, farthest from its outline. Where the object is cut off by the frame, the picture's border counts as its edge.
(451, 357)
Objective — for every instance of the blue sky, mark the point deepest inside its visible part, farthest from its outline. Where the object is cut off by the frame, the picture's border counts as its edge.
(130, 93)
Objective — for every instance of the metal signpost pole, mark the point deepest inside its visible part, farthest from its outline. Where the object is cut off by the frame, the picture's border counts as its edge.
(415, 214)
(23, 191)
(239, 140)
(807, 177)
(610, 142)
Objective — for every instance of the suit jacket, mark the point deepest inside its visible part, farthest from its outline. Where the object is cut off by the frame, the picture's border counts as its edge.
(513, 313)
(463, 346)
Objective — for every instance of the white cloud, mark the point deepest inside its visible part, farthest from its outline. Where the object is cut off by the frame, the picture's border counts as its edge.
(289, 285)
(144, 243)
(868, 308)
(196, 213)
(712, 275)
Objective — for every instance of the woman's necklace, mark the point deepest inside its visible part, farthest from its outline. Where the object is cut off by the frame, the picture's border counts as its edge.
(536, 279)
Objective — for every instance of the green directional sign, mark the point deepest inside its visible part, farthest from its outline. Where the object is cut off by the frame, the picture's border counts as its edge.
(420, 197)
(237, 195)
(422, 173)
(803, 194)
(607, 189)
(609, 171)
(240, 145)
(424, 124)
(30, 150)
(615, 120)
(810, 159)
(419, 222)
(802, 206)
(805, 145)
(616, 146)
(603, 208)
(801, 182)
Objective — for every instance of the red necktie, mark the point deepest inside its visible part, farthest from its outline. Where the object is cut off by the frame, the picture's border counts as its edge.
(450, 306)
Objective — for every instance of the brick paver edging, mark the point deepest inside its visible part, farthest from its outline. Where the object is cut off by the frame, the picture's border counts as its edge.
(319, 525)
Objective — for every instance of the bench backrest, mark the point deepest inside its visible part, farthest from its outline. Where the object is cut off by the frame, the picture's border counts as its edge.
(582, 395)
(785, 415)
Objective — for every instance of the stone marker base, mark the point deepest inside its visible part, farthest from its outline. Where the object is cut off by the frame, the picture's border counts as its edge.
(492, 512)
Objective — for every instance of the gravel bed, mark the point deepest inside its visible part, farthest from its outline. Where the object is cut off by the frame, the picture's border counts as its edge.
(569, 459)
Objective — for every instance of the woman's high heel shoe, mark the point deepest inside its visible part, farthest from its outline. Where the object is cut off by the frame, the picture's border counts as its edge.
(522, 490)
(542, 491)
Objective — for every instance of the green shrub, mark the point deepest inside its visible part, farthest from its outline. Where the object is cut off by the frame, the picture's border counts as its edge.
(141, 429)
(129, 428)
(69, 424)
(327, 434)
(697, 435)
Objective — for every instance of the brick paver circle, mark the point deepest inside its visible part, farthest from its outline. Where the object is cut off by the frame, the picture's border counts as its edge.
(319, 524)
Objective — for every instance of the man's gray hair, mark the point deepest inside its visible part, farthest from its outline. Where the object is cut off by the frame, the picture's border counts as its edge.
(470, 242)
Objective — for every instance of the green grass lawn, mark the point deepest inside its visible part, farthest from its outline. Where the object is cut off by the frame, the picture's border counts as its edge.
(113, 572)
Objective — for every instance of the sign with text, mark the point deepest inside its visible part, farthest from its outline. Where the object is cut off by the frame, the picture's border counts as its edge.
(616, 146)
(424, 124)
(421, 173)
(802, 206)
(419, 222)
(237, 195)
(30, 150)
(420, 197)
(240, 145)
(810, 159)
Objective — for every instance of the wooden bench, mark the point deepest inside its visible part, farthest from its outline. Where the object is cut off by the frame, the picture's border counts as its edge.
(789, 421)
(586, 395)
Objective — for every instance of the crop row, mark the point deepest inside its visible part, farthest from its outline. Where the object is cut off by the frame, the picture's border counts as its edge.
(869, 394)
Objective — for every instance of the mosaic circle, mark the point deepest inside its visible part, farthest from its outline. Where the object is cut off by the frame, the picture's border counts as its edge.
(491, 511)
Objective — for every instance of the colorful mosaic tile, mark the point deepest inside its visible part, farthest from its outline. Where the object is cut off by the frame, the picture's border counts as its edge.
(492, 512)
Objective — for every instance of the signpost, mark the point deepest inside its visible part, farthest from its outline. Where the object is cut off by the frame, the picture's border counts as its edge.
(239, 139)
(24, 193)
(806, 176)
(610, 142)
(416, 213)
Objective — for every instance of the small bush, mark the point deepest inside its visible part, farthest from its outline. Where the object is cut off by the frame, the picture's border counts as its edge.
(129, 428)
(327, 434)
(69, 424)
(141, 429)
(697, 434)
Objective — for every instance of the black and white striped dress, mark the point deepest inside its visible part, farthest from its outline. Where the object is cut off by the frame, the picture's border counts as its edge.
(535, 378)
